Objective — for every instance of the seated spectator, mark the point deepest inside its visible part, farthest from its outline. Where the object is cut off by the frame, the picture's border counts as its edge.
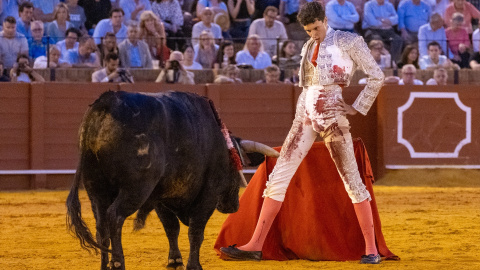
(85, 55)
(409, 56)
(95, 11)
(253, 54)
(206, 50)
(111, 72)
(272, 75)
(408, 76)
(260, 7)
(206, 24)
(56, 29)
(223, 20)
(475, 59)
(25, 12)
(70, 42)
(240, 12)
(12, 43)
(44, 9)
(134, 53)
(269, 30)
(289, 56)
(440, 77)
(432, 31)
(440, 6)
(174, 72)
(468, 11)
(434, 59)
(108, 45)
(215, 5)
(3, 73)
(170, 12)
(411, 15)
(229, 75)
(379, 17)
(458, 41)
(22, 72)
(341, 15)
(114, 24)
(225, 55)
(188, 58)
(294, 78)
(10, 8)
(55, 61)
(476, 39)
(37, 44)
(380, 54)
(153, 33)
(134, 8)
(77, 15)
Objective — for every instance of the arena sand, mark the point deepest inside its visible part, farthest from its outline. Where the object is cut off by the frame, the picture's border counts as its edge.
(429, 227)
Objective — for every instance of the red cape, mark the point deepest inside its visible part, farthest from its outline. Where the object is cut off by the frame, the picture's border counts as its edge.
(317, 220)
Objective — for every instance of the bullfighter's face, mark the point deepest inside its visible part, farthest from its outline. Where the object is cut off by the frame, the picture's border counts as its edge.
(317, 30)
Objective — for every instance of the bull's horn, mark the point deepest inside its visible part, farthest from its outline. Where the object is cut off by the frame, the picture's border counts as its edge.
(251, 146)
(244, 181)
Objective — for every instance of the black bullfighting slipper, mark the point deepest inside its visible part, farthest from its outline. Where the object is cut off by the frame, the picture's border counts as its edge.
(370, 259)
(231, 253)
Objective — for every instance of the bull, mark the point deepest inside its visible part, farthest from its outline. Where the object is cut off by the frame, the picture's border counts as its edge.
(143, 152)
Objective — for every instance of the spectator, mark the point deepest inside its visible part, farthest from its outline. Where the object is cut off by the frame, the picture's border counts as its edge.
(408, 76)
(170, 13)
(206, 24)
(458, 41)
(3, 73)
(25, 11)
(225, 55)
(260, 7)
(70, 42)
(409, 56)
(37, 44)
(174, 72)
(440, 77)
(134, 8)
(44, 9)
(111, 72)
(108, 45)
(188, 58)
(269, 30)
(114, 25)
(294, 78)
(215, 5)
(468, 11)
(223, 20)
(153, 33)
(55, 61)
(12, 43)
(380, 54)
(230, 75)
(134, 53)
(411, 15)
(289, 56)
(379, 17)
(433, 31)
(272, 75)
(56, 29)
(475, 60)
(77, 15)
(341, 15)
(85, 55)
(440, 6)
(253, 54)
(206, 50)
(434, 59)
(95, 11)
(22, 72)
(240, 12)
(476, 40)
(10, 8)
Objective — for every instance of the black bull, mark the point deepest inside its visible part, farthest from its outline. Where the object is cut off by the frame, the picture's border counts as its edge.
(152, 151)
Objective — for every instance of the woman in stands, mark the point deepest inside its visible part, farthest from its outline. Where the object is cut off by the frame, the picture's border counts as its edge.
(225, 55)
(409, 56)
(170, 13)
(205, 50)
(56, 29)
(153, 33)
(289, 57)
(188, 56)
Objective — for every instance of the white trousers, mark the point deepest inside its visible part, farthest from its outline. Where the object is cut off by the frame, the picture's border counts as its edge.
(317, 114)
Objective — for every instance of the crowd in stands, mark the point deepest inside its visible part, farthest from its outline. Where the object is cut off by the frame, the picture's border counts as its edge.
(113, 36)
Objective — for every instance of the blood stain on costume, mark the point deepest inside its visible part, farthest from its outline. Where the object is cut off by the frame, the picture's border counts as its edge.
(293, 144)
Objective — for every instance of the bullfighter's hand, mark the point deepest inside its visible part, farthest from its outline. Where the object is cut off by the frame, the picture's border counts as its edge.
(344, 108)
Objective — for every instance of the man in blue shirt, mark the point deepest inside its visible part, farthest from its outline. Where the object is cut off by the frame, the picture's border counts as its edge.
(433, 31)
(134, 53)
(85, 55)
(341, 15)
(411, 15)
(379, 17)
(25, 10)
(114, 25)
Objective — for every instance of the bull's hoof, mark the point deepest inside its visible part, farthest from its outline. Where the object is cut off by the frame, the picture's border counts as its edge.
(175, 264)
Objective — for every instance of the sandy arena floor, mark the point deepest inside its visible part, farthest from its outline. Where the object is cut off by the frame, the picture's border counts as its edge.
(428, 227)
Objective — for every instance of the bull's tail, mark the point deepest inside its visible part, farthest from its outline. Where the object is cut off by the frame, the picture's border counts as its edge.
(75, 223)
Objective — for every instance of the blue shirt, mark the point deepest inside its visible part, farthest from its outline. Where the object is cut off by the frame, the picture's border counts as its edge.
(135, 58)
(105, 26)
(427, 35)
(75, 58)
(262, 60)
(341, 16)
(25, 30)
(373, 12)
(129, 6)
(206, 3)
(10, 8)
(291, 6)
(425, 61)
(411, 16)
(38, 48)
(47, 6)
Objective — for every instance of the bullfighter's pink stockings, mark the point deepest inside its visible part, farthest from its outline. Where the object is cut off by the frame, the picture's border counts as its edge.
(365, 219)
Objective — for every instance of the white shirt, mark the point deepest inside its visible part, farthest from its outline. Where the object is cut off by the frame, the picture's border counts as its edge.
(268, 35)
(476, 39)
(262, 60)
(194, 66)
(415, 82)
(199, 27)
